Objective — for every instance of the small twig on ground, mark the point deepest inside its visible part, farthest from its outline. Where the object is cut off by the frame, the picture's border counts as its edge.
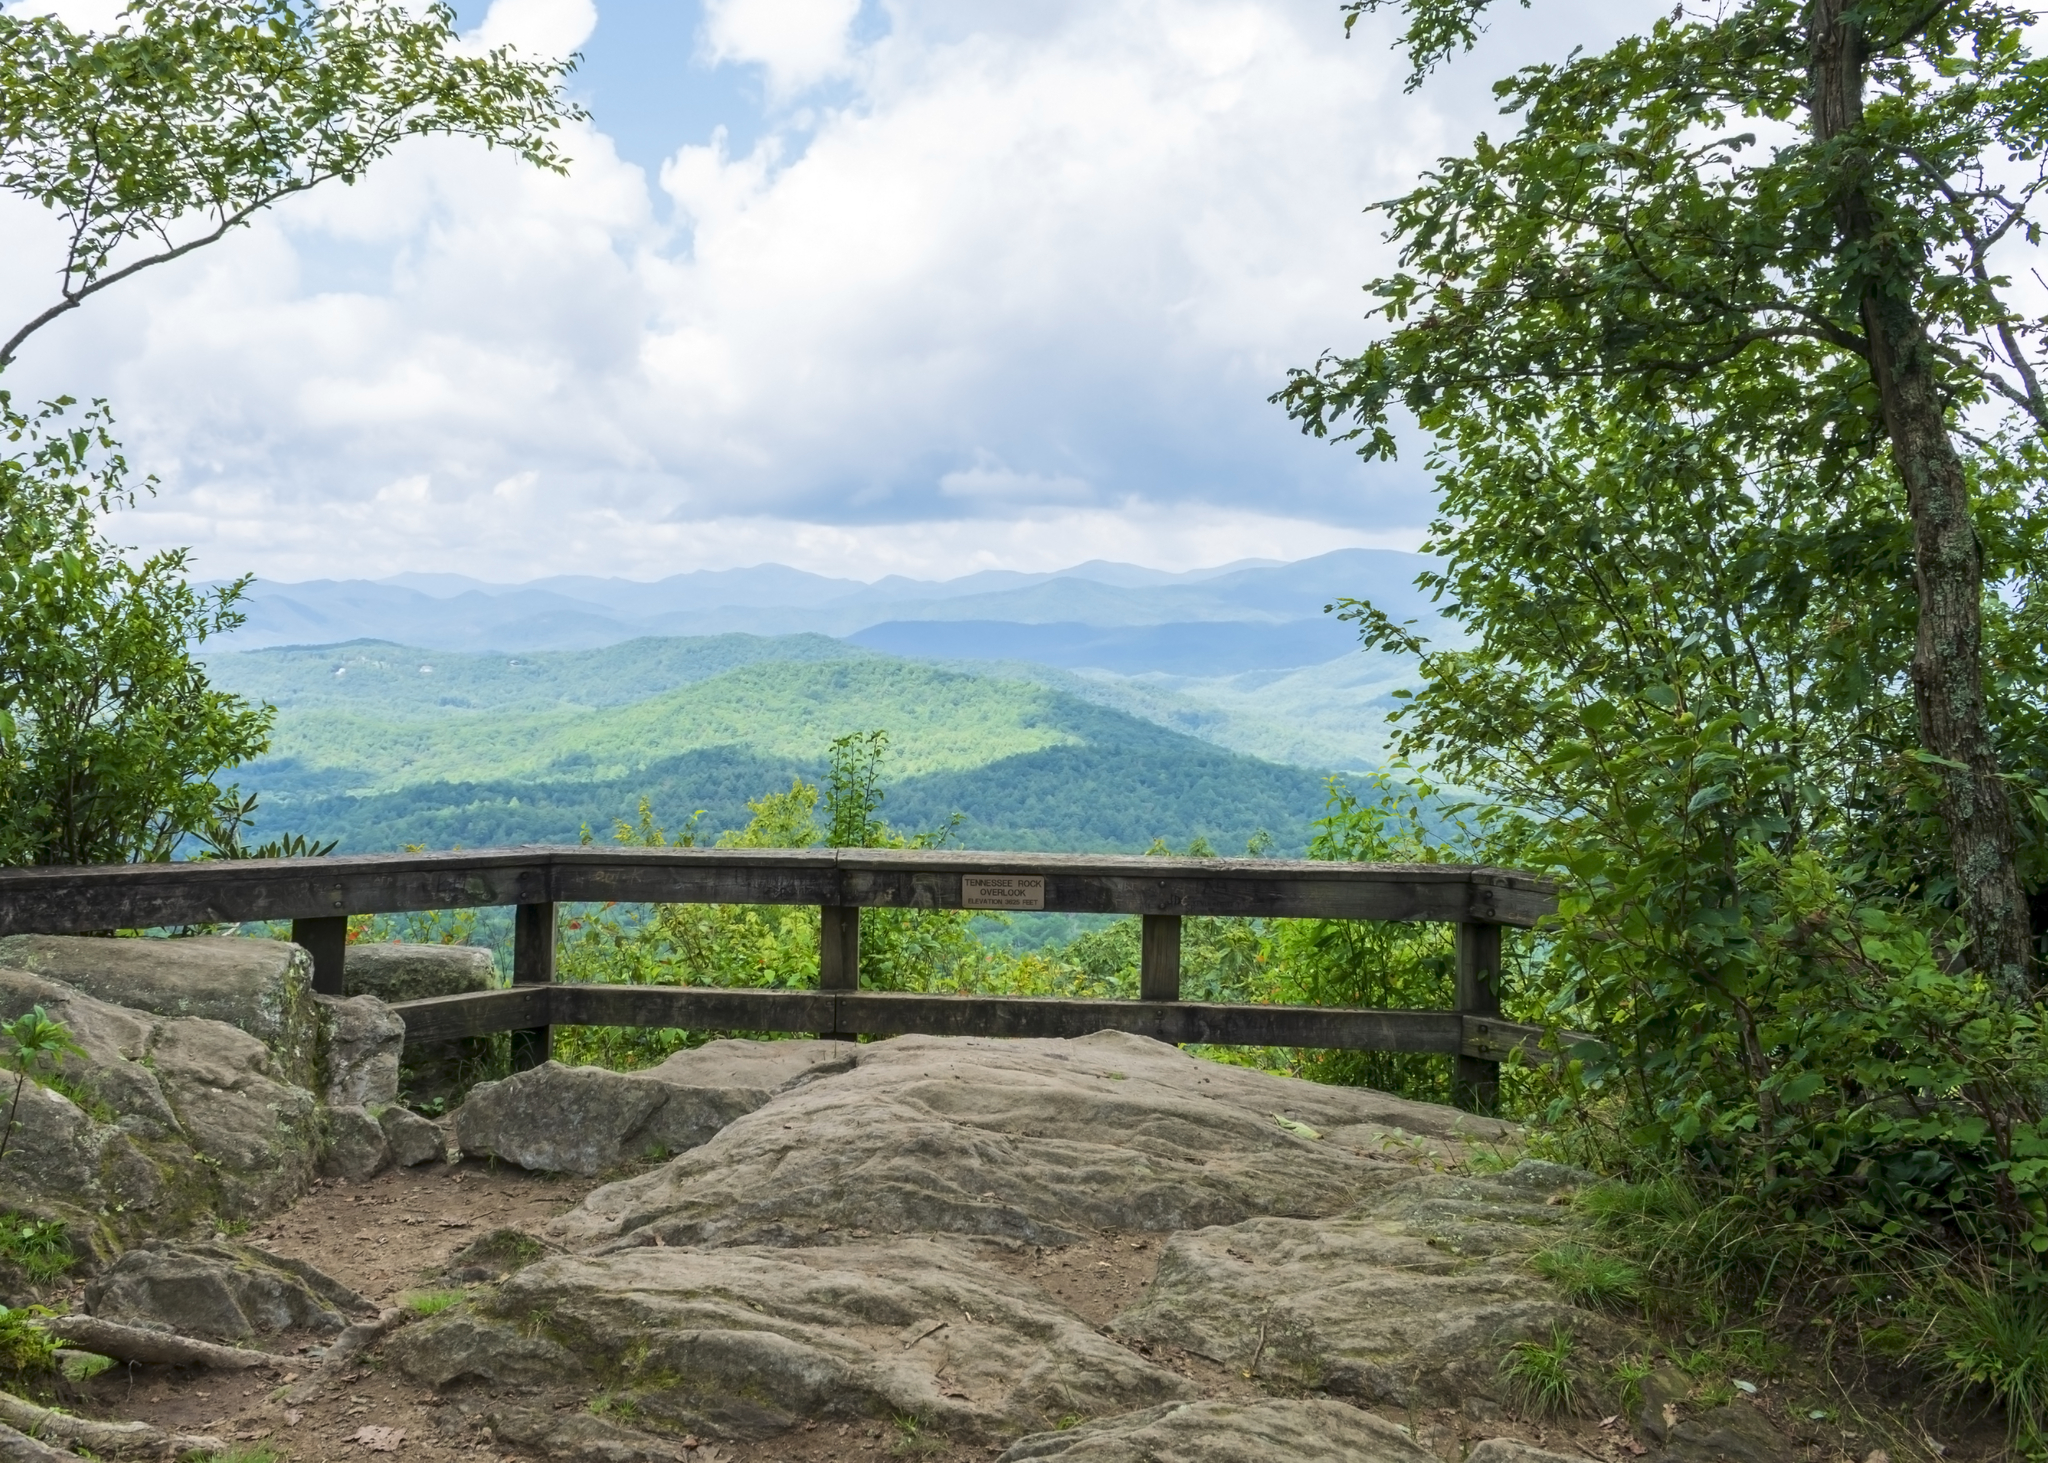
(1253, 1369)
(101, 1437)
(155, 1348)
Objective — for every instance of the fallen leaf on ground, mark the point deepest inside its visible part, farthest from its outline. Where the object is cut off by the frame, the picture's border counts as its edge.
(380, 1439)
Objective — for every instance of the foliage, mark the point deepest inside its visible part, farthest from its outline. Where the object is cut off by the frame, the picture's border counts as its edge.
(1590, 1277)
(1741, 281)
(433, 1302)
(495, 757)
(1538, 1376)
(1989, 1332)
(192, 116)
(26, 1349)
(110, 737)
(42, 1247)
(35, 1044)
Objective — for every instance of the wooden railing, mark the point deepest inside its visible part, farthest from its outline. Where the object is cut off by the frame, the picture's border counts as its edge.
(318, 896)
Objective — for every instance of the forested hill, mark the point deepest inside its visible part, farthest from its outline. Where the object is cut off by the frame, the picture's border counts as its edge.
(381, 746)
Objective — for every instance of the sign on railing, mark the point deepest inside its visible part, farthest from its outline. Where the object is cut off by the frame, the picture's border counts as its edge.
(318, 895)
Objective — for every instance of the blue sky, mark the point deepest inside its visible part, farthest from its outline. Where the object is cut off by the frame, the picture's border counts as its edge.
(867, 286)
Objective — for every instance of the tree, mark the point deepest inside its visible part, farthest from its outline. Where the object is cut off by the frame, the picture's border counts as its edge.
(151, 141)
(1759, 251)
(195, 115)
(110, 738)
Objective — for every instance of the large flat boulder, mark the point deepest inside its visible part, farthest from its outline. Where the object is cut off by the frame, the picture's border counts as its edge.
(586, 1120)
(222, 1292)
(162, 1122)
(262, 987)
(748, 1342)
(1309, 1430)
(1410, 1301)
(1037, 1141)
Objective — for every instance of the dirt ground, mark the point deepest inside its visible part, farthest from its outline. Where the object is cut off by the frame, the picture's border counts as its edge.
(395, 1234)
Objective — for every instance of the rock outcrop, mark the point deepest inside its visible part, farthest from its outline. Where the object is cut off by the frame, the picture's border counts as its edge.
(1304, 1431)
(261, 987)
(748, 1342)
(163, 1121)
(586, 1120)
(221, 1292)
(1408, 1301)
(1037, 1141)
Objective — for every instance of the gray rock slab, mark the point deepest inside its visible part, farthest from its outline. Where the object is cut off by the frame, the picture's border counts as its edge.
(221, 1292)
(173, 1120)
(1733, 1433)
(1514, 1450)
(353, 1145)
(395, 972)
(747, 1342)
(413, 1139)
(1270, 1431)
(1411, 1300)
(585, 1120)
(1036, 1141)
(580, 1437)
(262, 987)
(361, 1039)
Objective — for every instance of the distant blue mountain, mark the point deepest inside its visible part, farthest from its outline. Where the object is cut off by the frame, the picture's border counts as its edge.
(1117, 617)
(1203, 648)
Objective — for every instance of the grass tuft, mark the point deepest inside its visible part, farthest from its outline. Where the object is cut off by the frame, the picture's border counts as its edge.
(42, 1247)
(1989, 1336)
(1591, 1277)
(1538, 1376)
(433, 1302)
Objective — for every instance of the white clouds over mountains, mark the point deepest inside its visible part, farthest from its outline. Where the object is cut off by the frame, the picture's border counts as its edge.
(997, 284)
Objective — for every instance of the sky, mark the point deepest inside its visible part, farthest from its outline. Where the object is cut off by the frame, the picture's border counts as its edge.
(861, 286)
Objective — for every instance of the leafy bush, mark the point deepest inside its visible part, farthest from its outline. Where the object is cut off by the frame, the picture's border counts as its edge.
(111, 739)
(26, 1349)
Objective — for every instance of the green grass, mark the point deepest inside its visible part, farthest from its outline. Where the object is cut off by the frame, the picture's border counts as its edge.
(42, 1247)
(1987, 1338)
(246, 1453)
(83, 1366)
(1591, 1277)
(1538, 1376)
(433, 1302)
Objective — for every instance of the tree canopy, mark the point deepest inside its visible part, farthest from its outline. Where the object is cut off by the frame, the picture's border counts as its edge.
(149, 141)
(191, 116)
(1722, 331)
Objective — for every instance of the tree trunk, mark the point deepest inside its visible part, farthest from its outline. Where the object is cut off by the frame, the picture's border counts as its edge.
(1948, 561)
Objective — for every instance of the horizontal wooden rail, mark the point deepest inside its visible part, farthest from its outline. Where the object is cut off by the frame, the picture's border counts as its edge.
(141, 896)
(318, 895)
(892, 1013)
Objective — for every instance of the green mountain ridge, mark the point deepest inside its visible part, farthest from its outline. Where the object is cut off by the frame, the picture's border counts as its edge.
(482, 750)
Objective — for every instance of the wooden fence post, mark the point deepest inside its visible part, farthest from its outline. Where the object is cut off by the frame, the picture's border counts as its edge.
(533, 963)
(326, 940)
(1476, 1087)
(1159, 958)
(838, 953)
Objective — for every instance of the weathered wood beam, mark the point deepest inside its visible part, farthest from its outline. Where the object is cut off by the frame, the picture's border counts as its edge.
(140, 896)
(891, 1013)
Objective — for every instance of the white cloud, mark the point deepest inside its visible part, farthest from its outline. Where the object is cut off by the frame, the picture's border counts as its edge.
(799, 42)
(1012, 288)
